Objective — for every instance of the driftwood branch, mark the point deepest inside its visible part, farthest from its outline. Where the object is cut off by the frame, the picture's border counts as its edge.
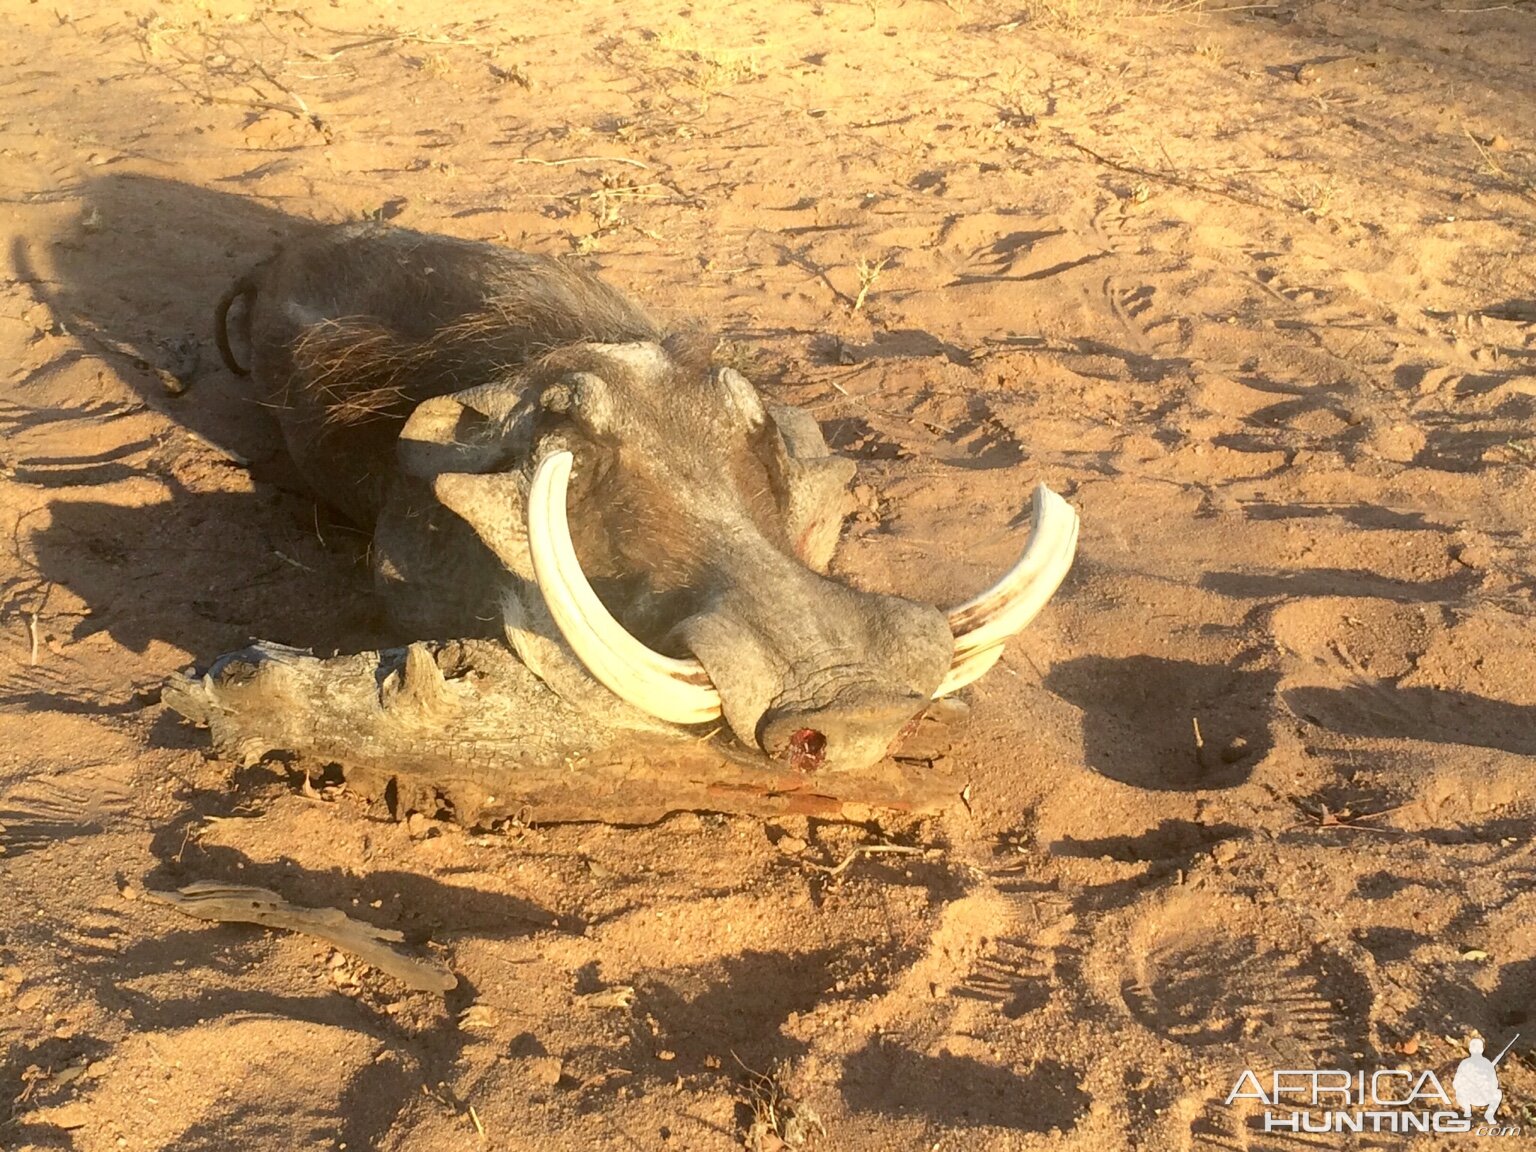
(236, 903)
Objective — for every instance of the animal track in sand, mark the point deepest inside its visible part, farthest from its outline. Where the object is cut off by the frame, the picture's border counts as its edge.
(1356, 635)
(973, 433)
(992, 248)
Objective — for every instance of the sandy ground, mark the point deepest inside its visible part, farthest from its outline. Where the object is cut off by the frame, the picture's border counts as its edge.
(1254, 286)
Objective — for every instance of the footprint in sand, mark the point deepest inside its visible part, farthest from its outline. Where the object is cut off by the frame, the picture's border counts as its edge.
(46, 810)
(1204, 975)
(317, 1085)
(1149, 330)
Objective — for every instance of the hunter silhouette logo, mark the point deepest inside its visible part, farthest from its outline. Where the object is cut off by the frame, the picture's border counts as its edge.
(1477, 1080)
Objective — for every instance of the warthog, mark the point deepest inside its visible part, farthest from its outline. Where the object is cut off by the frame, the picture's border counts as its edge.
(538, 460)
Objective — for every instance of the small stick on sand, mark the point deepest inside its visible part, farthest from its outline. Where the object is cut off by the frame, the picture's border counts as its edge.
(583, 160)
(1173, 178)
(301, 108)
(1524, 189)
(867, 850)
(1483, 152)
(32, 634)
(1199, 743)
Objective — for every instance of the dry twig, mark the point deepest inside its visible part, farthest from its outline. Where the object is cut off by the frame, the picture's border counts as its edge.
(1173, 178)
(1325, 817)
(582, 160)
(868, 850)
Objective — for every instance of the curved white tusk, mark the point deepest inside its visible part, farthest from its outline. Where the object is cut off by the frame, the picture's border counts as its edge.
(982, 625)
(677, 691)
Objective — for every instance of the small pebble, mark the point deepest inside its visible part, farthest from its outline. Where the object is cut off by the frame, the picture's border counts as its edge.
(546, 1070)
(1235, 751)
(418, 826)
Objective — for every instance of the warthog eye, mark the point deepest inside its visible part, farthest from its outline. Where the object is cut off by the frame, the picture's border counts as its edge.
(585, 397)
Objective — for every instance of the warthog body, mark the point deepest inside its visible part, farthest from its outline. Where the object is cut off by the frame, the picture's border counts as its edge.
(498, 419)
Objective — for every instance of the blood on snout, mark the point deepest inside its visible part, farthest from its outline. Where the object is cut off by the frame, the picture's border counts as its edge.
(806, 750)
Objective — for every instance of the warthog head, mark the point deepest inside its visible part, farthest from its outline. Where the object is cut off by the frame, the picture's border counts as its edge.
(529, 448)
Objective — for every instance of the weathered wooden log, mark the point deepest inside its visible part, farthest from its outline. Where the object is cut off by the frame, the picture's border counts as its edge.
(463, 729)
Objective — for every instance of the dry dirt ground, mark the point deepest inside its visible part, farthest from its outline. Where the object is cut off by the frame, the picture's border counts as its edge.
(1253, 285)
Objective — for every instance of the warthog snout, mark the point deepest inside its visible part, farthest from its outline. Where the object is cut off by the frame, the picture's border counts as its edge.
(816, 673)
(858, 727)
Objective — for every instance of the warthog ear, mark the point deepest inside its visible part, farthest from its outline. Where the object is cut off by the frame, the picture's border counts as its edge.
(477, 430)
(815, 498)
(742, 396)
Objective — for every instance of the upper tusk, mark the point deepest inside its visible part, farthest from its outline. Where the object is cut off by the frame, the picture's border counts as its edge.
(677, 691)
(982, 625)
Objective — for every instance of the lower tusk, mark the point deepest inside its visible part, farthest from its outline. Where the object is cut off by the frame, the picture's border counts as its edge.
(677, 691)
(982, 625)
(968, 669)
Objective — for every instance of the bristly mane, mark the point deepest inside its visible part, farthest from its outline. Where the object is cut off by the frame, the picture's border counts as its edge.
(364, 372)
